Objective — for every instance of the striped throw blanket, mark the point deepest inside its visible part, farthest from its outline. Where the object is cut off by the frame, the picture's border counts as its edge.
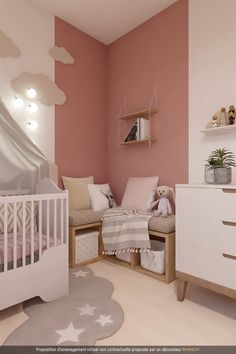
(125, 229)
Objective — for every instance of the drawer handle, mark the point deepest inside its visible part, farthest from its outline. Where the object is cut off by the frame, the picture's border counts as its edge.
(230, 256)
(229, 223)
(226, 190)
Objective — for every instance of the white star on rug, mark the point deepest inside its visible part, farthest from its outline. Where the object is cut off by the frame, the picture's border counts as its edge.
(80, 273)
(103, 320)
(69, 334)
(86, 310)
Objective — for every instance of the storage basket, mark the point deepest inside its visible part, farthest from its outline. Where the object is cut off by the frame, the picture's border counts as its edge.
(86, 245)
(154, 260)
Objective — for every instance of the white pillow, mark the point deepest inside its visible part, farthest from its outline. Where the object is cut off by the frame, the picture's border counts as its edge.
(101, 196)
(137, 192)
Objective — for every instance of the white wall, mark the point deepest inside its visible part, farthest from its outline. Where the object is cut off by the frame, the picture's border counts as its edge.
(32, 30)
(212, 77)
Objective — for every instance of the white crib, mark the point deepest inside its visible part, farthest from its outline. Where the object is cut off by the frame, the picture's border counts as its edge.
(34, 245)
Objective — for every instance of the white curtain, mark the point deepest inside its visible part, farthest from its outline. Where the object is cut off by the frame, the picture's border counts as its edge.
(21, 162)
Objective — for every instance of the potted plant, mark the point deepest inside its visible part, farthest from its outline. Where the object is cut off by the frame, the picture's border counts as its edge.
(218, 168)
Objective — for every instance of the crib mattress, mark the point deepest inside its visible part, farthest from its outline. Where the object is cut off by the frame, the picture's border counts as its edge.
(10, 247)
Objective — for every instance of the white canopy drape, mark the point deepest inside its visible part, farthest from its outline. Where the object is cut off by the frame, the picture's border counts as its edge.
(21, 162)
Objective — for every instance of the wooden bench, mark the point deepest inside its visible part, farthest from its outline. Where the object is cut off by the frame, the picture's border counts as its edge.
(134, 264)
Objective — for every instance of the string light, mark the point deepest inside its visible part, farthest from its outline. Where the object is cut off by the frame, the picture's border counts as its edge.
(32, 124)
(31, 92)
(32, 107)
(18, 102)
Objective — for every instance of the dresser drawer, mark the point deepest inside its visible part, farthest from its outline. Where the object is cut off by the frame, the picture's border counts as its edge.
(211, 266)
(208, 203)
(197, 202)
(214, 235)
(227, 204)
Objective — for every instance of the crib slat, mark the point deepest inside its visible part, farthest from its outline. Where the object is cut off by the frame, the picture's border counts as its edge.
(40, 229)
(5, 237)
(66, 218)
(62, 220)
(23, 235)
(32, 230)
(47, 221)
(14, 235)
(55, 221)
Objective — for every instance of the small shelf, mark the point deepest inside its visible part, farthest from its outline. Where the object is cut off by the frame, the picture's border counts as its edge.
(219, 130)
(137, 127)
(144, 114)
(136, 142)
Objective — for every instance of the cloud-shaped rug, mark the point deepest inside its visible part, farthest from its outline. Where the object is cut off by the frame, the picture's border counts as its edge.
(87, 314)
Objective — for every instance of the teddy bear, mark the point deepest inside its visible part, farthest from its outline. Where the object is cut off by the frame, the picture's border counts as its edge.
(163, 205)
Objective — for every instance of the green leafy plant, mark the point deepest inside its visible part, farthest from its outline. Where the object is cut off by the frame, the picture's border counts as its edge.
(221, 157)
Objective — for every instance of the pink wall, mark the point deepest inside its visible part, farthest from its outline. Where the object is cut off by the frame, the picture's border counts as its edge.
(80, 130)
(155, 53)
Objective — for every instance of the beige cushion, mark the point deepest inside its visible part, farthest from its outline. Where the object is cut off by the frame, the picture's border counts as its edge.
(165, 225)
(82, 217)
(137, 192)
(78, 191)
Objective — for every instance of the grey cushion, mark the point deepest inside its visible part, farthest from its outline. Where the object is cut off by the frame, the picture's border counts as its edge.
(165, 225)
(86, 216)
(89, 216)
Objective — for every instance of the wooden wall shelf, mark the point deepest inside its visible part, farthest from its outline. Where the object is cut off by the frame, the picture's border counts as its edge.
(144, 114)
(219, 130)
(142, 124)
(136, 142)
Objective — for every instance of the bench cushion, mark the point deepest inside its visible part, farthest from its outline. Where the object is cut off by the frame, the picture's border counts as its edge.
(86, 216)
(165, 225)
(89, 216)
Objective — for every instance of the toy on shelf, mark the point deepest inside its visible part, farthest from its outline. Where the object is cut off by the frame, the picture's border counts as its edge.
(231, 115)
(214, 121)
(223, 117)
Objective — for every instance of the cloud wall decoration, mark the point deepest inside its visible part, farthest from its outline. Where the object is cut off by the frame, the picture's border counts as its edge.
(61, 54)
(48, 93)
(8, 49)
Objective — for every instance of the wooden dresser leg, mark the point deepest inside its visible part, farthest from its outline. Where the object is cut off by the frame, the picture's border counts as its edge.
(181, 289)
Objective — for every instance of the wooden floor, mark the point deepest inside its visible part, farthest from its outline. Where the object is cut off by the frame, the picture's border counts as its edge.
(153, 316)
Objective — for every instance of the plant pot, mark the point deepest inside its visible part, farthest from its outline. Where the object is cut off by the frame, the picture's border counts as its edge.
(220, 175)
(209, 175)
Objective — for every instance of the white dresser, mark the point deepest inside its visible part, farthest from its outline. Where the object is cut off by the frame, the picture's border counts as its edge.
(206, 237)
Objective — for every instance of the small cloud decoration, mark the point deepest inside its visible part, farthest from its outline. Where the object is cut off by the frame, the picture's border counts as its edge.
(61, 54)
(8, 49)
(48, 93)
